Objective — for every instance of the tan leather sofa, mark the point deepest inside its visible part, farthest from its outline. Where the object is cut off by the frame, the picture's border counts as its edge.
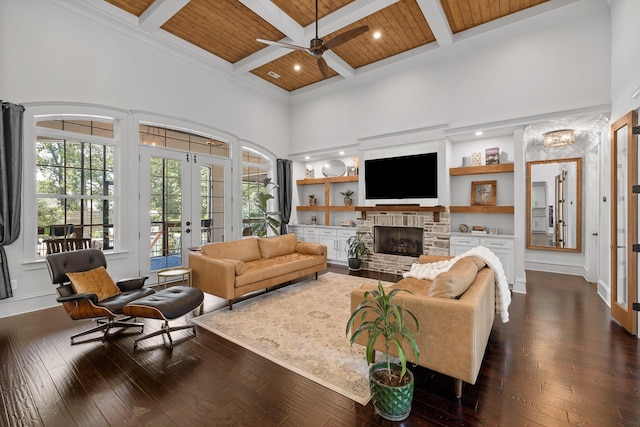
(233, 269)
(453, 333)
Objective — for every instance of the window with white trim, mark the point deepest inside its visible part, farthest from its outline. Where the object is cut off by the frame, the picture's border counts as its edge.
(75, 174)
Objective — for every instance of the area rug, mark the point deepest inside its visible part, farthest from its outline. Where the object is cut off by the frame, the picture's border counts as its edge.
(302, 328)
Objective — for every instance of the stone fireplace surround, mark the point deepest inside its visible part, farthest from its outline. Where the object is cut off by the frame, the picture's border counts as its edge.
(435, 237)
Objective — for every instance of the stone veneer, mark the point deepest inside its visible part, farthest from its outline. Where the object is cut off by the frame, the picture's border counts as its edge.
(436, 238)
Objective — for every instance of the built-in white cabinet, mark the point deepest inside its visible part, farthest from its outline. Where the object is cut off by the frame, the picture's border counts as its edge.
(501, 245)
(334, 238)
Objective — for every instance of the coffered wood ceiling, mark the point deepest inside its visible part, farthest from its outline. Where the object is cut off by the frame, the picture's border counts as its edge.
(227, 30)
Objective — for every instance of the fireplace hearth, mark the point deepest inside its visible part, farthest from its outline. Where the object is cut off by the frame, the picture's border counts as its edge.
(405, 241)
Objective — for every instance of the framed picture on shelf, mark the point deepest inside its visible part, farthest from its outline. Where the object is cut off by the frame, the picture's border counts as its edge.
(483, 193)
(492, 156)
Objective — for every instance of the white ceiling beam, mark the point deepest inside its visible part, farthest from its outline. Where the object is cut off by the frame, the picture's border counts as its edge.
(261, 57)
(346, 15)
(276, 17)
(159, 13)
(437, 20)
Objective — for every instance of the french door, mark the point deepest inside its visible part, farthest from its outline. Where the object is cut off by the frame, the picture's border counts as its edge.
(624, 221)
(185, 198)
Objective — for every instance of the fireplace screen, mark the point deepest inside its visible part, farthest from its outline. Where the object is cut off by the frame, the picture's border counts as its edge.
(405, 241)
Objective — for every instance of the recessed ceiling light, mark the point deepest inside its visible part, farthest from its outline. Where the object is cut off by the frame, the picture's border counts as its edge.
(296, 67)
(307, 157)
(341, 153)
(377, 35)
(478, 133)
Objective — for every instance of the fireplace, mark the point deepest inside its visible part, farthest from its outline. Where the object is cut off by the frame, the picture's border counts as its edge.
(406, 241)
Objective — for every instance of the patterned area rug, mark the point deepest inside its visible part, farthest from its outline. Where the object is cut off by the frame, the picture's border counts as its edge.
(302, 328)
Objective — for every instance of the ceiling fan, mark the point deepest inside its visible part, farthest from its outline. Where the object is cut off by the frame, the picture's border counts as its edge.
(317, 46)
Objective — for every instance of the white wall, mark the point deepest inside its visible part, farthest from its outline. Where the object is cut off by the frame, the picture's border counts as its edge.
(548, 64)
(50, 54)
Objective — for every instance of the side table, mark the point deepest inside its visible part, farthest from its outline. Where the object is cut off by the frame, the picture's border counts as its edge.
(174, 272)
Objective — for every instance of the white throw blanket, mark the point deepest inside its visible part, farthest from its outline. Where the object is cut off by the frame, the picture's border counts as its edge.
(503, 296)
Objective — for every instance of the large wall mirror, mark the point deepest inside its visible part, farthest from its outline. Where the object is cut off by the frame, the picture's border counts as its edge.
(554, 205)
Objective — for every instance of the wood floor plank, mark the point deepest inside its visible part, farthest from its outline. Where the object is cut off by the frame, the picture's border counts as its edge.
(560, 361)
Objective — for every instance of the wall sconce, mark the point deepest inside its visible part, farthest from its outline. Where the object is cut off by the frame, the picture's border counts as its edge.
(558, 138)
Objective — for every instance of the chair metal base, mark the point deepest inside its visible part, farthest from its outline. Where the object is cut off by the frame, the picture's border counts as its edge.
(107, 324)
(166, 329)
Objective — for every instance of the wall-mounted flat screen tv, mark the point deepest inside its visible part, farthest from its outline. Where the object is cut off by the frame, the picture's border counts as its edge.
(405, 177)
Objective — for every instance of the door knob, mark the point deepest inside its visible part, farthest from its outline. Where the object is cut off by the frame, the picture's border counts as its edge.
(594, 234)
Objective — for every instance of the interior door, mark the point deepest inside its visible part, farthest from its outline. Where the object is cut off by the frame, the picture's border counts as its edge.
(624, 221)
(186, 197)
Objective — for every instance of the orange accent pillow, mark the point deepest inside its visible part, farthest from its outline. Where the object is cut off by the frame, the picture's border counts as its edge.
(96, 281)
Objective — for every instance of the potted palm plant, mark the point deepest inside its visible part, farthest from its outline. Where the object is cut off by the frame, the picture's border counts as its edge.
(263, 219)
(356, 249)
(391, 383)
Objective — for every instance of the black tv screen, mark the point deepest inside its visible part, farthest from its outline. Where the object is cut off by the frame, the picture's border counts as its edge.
(405, 177)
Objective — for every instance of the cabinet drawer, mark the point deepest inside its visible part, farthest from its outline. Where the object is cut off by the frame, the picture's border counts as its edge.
(310, 230)
(497, 243)
(327, 232)
(464, 241)
(345, 233)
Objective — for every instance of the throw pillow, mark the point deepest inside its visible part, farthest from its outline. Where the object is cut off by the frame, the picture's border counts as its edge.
(271, 247)
(96, 281)
(453, 283)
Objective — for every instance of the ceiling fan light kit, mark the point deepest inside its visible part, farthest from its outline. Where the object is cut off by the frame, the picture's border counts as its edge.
(317, 46)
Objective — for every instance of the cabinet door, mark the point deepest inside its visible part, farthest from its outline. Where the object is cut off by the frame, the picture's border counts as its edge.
(297, 230)
(503, 248)
(341, 244)
(328, 238)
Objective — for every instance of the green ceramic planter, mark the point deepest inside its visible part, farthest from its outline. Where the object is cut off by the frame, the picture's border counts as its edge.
(355, 263)
(391, 403)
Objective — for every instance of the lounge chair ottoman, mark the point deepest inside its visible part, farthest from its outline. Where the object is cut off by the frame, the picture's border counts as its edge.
(167, 304)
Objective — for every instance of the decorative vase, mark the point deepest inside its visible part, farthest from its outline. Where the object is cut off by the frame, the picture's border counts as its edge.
(313, 202)
(354, 263)
(391, 403)
(348, 201)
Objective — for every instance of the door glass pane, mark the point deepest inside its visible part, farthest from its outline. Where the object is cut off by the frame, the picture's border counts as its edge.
(211, 204)
(166, 213)
(621, 221)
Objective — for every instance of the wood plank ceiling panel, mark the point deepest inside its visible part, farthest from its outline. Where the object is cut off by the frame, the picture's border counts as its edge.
(402, 26)
(290, 79)
(465, 14)
(304, 11)
(134, 7)
(225, 28)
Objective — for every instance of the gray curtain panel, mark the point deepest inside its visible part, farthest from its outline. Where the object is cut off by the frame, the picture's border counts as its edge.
(10, 186)
(284, 170)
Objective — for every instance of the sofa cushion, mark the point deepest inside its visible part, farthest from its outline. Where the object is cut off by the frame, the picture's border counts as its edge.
(480, 264)
(243, 250)
(271, 247)
(455, 281)
(96, 281)
(278, 266)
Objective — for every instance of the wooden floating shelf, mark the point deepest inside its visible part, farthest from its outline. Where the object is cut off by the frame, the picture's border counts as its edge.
(312, 181)
(481, 209)
(324, 208)
(402, 208)
(475, 170)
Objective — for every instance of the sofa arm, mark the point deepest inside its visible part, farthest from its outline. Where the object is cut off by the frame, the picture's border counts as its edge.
(453, 333)
(212, 275)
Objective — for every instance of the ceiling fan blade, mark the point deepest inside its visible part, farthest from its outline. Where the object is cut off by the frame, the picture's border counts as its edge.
(286, 45)
(324, 68)
(344, 37)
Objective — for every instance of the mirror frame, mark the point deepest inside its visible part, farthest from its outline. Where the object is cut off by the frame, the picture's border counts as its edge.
(578, 161)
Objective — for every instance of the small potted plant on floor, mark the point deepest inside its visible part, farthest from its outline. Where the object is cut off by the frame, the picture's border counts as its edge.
(348, 201)
(391, 383)
(312, 200)
(356, 249)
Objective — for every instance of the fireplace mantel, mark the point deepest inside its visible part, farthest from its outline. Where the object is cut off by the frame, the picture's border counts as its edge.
(402, 208)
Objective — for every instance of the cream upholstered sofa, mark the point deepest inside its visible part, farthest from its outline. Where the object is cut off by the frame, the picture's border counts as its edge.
(233, 269)
(454, 329)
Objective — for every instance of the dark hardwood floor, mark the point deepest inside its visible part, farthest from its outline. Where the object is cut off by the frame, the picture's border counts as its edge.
(560, 361)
